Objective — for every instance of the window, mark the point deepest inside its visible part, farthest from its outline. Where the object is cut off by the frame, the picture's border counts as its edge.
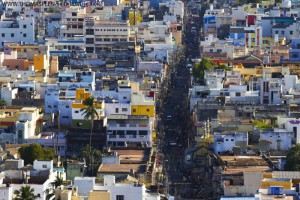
(24, 35)
(115, 39)
(276, 32)
(238, 94)
(232, 140)
(3, 34)
(44, 166)
(76, 111)
(123, 40)
(67, 106)
(98, 39)
(74, 14)
(106, 39)
(12, 35)
(124, 97)
(282, 32)
(226, 140)
(124, 109)
(291, 32)
(120, 197)
(148, 110)
(117, 110)
(133, 110)
(143, 132)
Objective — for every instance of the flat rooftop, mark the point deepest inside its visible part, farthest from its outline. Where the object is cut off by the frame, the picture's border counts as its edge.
(240, 164)
(137, 156)
(122, 168)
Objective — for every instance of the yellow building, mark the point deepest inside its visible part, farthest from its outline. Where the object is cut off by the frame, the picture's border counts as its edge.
(39, 62)
(78, 118)
(142, 106)
(286, 183)
(135, 17)
(126, 2)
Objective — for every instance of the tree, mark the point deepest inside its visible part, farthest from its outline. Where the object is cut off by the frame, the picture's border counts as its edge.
(50, 191)
(90, 113)
(293, 159)
(92, 156)
(200, 67)
(25, 193)
(223, 67)
(3, 103)
(34, 151)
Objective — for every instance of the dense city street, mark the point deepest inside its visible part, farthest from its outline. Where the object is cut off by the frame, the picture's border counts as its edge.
(175, 117)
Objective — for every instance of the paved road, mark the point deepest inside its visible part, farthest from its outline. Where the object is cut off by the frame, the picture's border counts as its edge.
(175, 117)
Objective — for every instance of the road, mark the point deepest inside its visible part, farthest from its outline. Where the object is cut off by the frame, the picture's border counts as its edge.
(175, 119)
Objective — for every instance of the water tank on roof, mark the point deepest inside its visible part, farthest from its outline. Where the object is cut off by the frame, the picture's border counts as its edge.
(275, 190)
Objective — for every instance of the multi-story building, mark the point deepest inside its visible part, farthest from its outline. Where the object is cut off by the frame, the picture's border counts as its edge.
(20, 30)
(105, 35)
(38, 177)
(78, 117)
(270, 91)
(73, 22)
(124, 129)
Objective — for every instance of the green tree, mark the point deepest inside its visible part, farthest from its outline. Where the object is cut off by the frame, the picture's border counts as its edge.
(34, 151)
(90, 113)
(3, 103)
(200, 67)
(50, 191)
(92, 156)
(25, 193)
(293, 159)
(223, 67)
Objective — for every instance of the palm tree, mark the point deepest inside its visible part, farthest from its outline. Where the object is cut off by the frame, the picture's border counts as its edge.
(90, 112)
(25, 193)
(50, 191)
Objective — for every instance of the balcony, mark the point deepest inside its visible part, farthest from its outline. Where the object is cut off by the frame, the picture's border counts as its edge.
(131, 138)
(122, 126)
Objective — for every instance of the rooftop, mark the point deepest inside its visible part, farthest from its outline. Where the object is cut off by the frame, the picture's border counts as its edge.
(117, 116)
(137, 156)
(240, 164)
(123, 168)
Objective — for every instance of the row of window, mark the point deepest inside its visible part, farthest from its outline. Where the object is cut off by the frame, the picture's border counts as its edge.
(12, 35)
(283, 32)
(111, 30)
(75, 26)
(75, 19)
(128, 132)
(111, 39)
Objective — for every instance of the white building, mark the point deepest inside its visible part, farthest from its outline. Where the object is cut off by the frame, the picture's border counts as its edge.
(224, 142)
(19, 30)
(38, 177)
(102, 35)
(50, 140)
(27, 123)
(270, 91)
(214, 79)
(72, 20)
(280, 139)
(293, 126)
(123, 129)
(132, 191)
